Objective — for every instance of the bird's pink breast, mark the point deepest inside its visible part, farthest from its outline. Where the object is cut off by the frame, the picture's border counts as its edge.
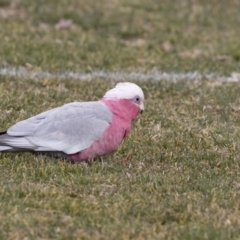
(114, 134)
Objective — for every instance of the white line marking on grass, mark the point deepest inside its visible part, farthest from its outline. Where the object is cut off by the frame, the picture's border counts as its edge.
(28, 73)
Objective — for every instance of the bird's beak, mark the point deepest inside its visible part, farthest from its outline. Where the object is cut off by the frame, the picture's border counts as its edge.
(141, 107)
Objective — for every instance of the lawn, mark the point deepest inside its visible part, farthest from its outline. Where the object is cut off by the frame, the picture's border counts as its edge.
(177, 175)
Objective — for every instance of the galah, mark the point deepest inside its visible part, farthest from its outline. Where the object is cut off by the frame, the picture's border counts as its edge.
(78, 131)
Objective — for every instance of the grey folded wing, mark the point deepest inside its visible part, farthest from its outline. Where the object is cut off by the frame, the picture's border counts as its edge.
(69, 129)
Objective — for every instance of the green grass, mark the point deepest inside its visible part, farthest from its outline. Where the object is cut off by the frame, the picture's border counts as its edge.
(113, 35)
(177, 176)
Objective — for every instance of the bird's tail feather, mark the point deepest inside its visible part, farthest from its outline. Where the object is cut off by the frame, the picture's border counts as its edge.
(7, 149)
(10, 143)
(4, 147)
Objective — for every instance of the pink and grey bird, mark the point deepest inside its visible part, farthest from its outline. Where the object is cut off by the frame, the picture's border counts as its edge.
(79, 131)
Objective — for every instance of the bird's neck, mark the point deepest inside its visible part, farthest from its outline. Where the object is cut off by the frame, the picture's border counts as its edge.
(124, 108)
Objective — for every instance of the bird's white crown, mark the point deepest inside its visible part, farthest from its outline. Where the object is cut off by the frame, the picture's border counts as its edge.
(125, 90)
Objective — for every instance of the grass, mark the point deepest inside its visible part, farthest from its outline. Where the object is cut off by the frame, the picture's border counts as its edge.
(118, 35)
(177, 176)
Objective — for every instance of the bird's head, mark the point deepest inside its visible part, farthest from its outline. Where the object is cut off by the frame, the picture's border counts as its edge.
(127, 91)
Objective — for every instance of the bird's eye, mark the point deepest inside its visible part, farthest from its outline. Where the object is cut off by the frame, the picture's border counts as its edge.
(136, 99)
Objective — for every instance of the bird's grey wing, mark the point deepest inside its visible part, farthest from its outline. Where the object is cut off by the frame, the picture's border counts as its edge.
(70, 128)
